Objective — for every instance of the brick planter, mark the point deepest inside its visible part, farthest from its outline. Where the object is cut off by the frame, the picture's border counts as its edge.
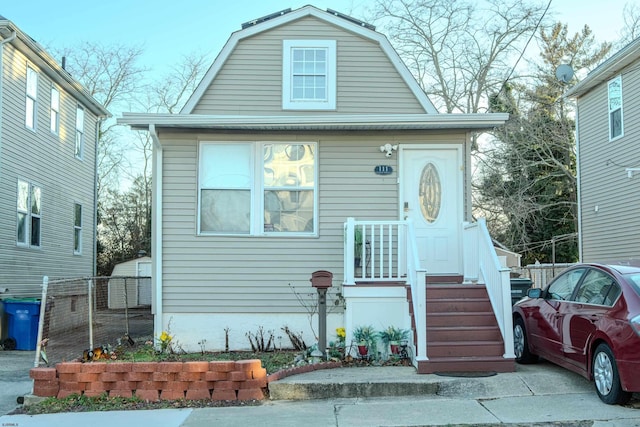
(153, 381)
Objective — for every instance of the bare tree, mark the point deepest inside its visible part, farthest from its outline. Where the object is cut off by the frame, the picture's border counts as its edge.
(527, 185)
(112, 76)
(631, 27)
(460, 51)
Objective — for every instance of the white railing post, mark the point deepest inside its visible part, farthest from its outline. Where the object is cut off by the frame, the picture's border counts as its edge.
(90, 303)
(349, 252)
(471, 262)
(507, 334)
(43, 303)
(420, 313)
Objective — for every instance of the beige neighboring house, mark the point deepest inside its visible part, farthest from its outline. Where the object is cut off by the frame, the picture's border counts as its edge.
(48, 129)
(307, 127)
(134, 276)
(607, 133)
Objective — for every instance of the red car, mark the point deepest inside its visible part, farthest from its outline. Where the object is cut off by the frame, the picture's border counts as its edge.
(588, 321)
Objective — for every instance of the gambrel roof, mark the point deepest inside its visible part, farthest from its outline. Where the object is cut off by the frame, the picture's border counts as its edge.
(192, 118)
(329, 17)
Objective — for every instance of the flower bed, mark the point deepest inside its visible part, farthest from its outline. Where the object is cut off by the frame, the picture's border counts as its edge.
(153, 381)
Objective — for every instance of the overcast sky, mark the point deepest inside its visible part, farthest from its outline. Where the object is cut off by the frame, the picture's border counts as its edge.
(167, 29)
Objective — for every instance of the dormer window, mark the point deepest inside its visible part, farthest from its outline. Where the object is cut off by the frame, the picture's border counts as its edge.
(309, 75)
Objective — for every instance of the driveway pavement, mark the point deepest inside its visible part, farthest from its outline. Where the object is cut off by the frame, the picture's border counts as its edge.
(14, 377)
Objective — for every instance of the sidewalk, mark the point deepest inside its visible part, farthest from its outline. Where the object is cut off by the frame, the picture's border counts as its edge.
(539, 395)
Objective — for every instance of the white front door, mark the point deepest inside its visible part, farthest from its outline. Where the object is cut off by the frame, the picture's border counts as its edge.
(432, 197)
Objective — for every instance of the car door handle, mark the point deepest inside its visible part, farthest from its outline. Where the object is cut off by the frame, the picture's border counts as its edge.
(593, 318)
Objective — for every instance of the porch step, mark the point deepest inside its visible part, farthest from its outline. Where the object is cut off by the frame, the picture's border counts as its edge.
(466, 364)
(448, 348)
(462, 331)
(460, 318)
(448, 305)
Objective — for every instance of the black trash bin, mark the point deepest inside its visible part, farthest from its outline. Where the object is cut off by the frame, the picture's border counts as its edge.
(519, 287)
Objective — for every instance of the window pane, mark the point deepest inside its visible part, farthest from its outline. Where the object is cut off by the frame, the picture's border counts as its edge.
(23, 196)
(289, 165)
(22, 228)
(562, 288)
(288, 211)
(616, 123)
(78, 216)
(225, 211)
(35, 200)
(80, 119)
(35, 231)
(30, 113)
(298, 54)
(76, 240)
(225, 166)
(55, 99)
(32, 83)
(78, 149)
(54, 122)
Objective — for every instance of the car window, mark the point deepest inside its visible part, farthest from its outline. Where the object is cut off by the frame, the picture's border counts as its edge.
(634, 279)
(598, 288)
(563, 286)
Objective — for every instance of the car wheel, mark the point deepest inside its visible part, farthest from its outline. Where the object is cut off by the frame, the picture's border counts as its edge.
(521, 344)
(606, 377)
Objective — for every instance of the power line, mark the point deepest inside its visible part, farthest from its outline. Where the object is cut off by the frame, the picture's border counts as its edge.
(533, 33)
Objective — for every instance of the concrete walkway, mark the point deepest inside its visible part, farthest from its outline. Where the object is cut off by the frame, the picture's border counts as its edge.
(535, 395)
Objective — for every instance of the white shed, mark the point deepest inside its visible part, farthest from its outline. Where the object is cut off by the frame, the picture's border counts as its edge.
(130, 283)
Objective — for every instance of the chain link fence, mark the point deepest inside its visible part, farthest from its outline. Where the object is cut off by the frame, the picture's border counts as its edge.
(80, 314)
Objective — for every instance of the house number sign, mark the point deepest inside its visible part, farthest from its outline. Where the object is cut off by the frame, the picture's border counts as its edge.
(383, 170)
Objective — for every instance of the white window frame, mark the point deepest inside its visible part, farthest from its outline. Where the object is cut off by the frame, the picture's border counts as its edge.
(79, 141)
(31, 99)
(288, 101)
(614, 104)
(29, 214)
(54, 122)
(77, 230)
(257, 189)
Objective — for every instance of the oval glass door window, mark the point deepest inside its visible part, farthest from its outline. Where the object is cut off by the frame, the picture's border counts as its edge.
(430, 193)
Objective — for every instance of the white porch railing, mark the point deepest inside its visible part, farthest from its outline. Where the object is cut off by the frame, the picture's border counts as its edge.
(375, 251)
(387, 252)
(481, 264)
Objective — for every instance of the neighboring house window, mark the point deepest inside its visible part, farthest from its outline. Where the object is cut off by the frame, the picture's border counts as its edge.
(55, 110)
(77, 229)
(616, 129)
(309, 75)
(257, 188)
(29, 215)
(79, 132)
(32, 95)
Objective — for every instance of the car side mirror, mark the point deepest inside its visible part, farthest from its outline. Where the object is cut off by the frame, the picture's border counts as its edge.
(534, 292)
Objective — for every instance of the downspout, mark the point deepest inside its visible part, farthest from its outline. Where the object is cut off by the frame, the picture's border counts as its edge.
(578, 195)
(156, 232)
(2, 43)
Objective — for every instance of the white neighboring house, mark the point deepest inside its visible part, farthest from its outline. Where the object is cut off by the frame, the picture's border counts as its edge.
(128, 275)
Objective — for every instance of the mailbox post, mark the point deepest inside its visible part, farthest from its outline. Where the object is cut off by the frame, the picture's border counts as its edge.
(321, 280)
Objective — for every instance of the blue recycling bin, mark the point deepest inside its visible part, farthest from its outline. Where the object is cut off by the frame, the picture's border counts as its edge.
(23, 316)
